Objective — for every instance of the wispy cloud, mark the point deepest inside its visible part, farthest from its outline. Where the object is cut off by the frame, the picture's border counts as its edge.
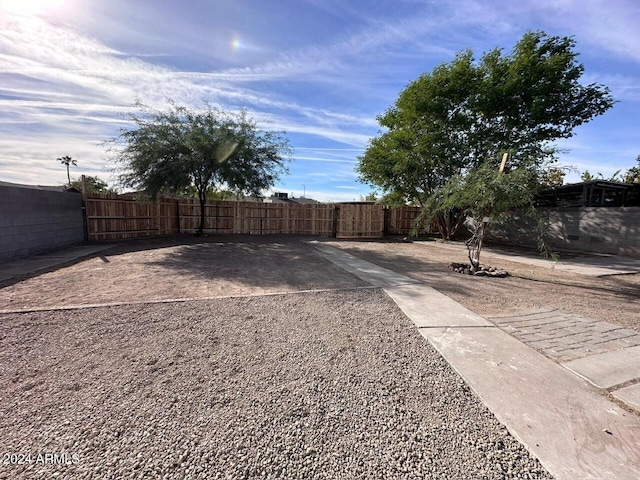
(623, 87)
(66, 84)
(320, 159)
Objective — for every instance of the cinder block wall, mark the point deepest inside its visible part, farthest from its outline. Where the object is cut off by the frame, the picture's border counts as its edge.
(586, 229)
(34, 220)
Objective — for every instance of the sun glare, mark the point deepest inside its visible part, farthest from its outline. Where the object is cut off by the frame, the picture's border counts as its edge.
(30, 7)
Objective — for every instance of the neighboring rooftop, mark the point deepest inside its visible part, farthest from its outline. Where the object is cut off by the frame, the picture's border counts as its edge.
(597, 193)
(55, 188)
(282, 197)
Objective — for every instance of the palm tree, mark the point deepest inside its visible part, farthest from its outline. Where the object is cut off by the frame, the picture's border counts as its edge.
(67, 160)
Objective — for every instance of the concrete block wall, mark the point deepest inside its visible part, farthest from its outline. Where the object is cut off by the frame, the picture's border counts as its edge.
(34, 220)
(586, 229)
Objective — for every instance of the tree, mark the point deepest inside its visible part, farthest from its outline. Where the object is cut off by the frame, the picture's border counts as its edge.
(586, 176)
(465, 114)
(207, 149)
(615, 177)
(67, 160)
(93, 185)
(393, 199)
(485, 194)
(633, 174)
(369, 197)
(214, 194)
(553, 177)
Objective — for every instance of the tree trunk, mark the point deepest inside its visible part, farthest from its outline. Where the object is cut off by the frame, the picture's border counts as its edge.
(474, 246)
(448, 223)
(203, 199)
(480, 240)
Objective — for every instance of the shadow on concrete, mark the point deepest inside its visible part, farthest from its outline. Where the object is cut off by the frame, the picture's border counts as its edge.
(22, 268)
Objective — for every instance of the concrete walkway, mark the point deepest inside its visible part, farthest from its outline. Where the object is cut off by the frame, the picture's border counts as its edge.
(39, 263)
(569, 424)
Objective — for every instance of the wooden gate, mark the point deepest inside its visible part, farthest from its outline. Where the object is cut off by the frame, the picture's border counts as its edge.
(360, 220)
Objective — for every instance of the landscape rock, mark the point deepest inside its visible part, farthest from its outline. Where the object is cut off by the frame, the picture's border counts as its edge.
(482, 271)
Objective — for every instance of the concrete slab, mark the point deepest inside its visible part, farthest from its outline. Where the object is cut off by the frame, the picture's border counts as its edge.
(629, 395)
(601, 265)
(566, 423)
(369, 272)
(608, 369)
(37, 263)
(565, 336)
(429, 308)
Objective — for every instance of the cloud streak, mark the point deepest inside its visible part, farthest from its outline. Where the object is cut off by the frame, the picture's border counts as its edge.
(66, 86)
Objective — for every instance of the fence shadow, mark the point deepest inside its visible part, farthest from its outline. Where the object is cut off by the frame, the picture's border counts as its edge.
(271, 262)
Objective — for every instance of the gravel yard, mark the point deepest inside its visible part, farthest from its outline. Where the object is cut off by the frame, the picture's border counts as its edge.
(309, 385)
(331, 384)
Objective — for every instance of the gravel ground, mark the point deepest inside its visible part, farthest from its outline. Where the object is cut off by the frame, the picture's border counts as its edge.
(311, 385)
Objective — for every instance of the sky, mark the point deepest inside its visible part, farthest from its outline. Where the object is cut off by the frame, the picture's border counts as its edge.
(322, 70)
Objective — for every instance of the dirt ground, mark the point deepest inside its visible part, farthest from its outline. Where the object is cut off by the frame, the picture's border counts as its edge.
(220, 266)
(181, 267)
(245, 387)
(613, 298)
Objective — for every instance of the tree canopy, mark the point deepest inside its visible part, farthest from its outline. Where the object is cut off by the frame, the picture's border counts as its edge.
(633, 174)
(67, 160)
(465, 114)
(93, 185)
(207, 149)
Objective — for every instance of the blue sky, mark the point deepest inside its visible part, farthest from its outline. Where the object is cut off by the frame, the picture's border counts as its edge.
(71, 70)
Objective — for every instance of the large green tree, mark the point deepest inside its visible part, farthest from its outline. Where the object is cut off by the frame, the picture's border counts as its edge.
(205, 149)
(465, 114)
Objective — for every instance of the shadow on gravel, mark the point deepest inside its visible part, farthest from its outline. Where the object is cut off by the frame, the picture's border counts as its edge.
(283, 262)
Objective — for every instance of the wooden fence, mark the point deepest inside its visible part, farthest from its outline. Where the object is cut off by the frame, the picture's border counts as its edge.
(113, 217)
(399, 220)
(257, 218)
(360, 221)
